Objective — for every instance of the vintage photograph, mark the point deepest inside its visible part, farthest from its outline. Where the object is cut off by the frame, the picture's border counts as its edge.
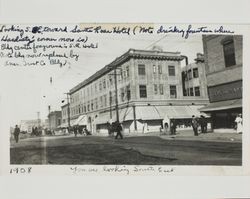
(123, 94)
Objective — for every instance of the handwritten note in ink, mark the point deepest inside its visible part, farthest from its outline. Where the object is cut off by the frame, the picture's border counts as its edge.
(49, 45)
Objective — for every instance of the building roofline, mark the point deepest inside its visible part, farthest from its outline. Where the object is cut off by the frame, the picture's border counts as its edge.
(131, 53)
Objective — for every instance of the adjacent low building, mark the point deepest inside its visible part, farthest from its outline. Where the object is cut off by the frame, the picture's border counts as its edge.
(149, 93)
(55, 119)
(194, 81)
(223, 62)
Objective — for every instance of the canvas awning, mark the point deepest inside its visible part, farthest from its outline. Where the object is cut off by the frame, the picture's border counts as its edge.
(151, 113)
(167, 112)
(81, 120)
(125, 114)
(223, 105)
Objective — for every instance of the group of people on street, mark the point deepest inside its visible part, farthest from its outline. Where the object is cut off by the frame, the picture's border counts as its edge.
(37, 131)
(115, 127)
(196, 122)
(80, 130)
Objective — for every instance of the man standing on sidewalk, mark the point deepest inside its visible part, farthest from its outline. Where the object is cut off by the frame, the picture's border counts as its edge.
(195, 125)
(16, 133)
(203, 124)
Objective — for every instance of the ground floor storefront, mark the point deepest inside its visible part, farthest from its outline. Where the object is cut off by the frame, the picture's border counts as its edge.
(224, 113)
(144, 118)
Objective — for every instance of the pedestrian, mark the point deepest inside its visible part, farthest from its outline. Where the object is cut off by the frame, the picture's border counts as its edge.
(166, 127)
(109, 128)
(118, 130)
(173, 127)
(195, 125)
(16, 133)
(75, 130)
(239, 123)
(203, 124)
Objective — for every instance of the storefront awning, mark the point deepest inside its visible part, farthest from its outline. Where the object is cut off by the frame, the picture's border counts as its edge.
(223, 105)
(180, 112)
(167, 112)
(151, 113)
(125, 114)
(81, 120)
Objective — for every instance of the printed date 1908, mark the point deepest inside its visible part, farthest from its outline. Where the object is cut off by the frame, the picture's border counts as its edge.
(21, 170)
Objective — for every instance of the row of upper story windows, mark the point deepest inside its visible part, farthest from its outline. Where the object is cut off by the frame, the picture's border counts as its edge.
(191, 74)
(103, 101)
(156, 70)
(192, 91)
(143, 90)
(101, 85)
(109, 80)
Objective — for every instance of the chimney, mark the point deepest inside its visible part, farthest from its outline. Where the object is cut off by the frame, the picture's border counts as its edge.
(199, 58)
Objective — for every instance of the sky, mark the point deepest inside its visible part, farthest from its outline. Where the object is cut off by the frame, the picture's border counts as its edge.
(25, 91)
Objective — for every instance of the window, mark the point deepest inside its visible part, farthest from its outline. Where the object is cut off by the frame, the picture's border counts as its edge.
(92, 106)
(171, 70)
(155, 89)
(229, 53)
(101, 102)
(197, 91)
(159, 69)
(128, 92)
(110, 80)
(122, 94)
(104, 84)
(161, 89)
(141, 70)
(173, 92)
(143, 91)
(105, 100)
(127, 71)
(195, 73)
(95, 87)
(96, 103)
(154, 69)
(88, 107)
(122, 74)
(85, 109)
(189, 74)
(100, 86)
(110, 97)
(191, 91)
(185, 92)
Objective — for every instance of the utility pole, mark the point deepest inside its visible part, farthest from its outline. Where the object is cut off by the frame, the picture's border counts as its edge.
(38, 118)
(116, 97)
(110, 104)
(68, 109)
(49, 118)
(116, 93)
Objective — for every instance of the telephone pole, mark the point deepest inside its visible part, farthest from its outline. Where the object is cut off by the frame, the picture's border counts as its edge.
(68, 108)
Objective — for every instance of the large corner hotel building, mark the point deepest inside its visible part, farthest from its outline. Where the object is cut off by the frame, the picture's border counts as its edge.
(149, 92)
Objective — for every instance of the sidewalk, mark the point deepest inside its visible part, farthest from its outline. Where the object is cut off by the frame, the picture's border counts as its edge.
(211, 136)
(189, 135)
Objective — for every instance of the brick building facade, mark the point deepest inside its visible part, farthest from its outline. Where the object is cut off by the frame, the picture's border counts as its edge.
(223, 62)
